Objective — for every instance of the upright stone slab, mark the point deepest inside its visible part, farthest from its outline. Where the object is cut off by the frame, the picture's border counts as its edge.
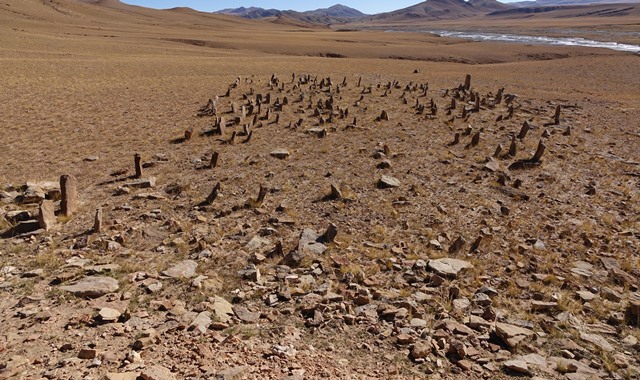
(539, 152)
(68, 188)
(214, 160)
(47, 217)
(137, 160)
(97, 223)
(556, 116)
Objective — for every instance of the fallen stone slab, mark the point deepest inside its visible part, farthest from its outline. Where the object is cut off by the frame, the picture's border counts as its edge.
(280, 153)
(142, 183)
(597, 340)
(157, 372)
(512, 335)
(92, 287)
(107, 314)
(121, 376)
(201, 322)
(183, 269)
(518, 366)
(245, 315)
(387, 182)
(448, 267)
(235, 373)
(222, 309)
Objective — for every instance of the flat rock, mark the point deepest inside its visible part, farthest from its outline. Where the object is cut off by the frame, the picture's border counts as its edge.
(280, 153)
(14, 364)
(418, 323)
(257, 242)
(420, 351)
(222, 309)
(477, 323)
(121, 376)
(582, 269)
(309, 243)
(245, 315)
(104, 268)
(183, 269)
(234, 373)
(386, 182)
(518, 366)
(535, 359)
(609, 263)
(492, 165)
(512, 335)
(142, 183)
(17, 216)
(611, 294)
(448, 267)
(201, 322)
(157, 372)
(597, 340)
(541, 306)
(87, 353)
(585, 295)
(108, 314)
(76, 261)
(33, 194)
(93, 287)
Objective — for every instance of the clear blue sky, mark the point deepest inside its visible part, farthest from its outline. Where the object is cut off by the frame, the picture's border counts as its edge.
(366, 6)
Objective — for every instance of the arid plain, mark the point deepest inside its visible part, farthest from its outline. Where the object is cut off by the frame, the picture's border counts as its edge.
(384, 246)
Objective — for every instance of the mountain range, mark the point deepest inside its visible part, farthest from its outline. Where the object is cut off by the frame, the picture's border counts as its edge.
(426, 10)
(336, 14)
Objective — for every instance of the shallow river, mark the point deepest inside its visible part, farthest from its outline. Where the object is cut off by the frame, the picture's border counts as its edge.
(537, 40)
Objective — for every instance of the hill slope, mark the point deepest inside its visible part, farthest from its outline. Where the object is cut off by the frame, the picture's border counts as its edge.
(443, 9)
(544, 3)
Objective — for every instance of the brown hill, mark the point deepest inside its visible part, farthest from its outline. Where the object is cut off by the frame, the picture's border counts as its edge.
(570, 11)
(443, 9)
